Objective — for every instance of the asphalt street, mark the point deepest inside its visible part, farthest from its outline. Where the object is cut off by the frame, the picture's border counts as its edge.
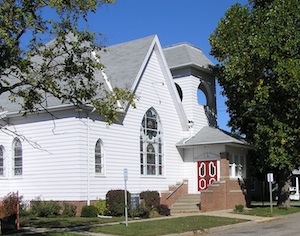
(282, 226)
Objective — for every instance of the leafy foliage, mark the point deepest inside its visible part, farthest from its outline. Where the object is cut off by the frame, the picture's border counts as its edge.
(101, 206)
(141, 212)
(9, 204)
(239, 208)
(163, 210)
(259, 71)
(89, 211)
(32, 70)
(151, 198)
(115, 202)
(69, 210)
(45, 208)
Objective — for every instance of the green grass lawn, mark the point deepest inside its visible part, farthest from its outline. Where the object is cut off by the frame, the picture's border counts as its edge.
(155, 227)
(145, 228)
(266, 211)
(167, 226)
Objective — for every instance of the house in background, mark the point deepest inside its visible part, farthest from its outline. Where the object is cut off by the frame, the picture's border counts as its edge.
(170, 143)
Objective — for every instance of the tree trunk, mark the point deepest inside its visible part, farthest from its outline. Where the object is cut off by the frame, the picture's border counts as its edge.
(284, 189)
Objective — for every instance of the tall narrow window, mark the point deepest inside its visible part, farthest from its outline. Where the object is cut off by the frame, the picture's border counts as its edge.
(1, 161)
(151, 145)
(99, 157)
(17, 155)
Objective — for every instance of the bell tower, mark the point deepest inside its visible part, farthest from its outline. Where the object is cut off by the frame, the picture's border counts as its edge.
(194, 82)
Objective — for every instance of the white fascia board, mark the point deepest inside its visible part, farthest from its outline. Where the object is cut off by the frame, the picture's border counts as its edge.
(213, 143)
(170, 83)
(201, 68)
(3, 114)
(54, 108)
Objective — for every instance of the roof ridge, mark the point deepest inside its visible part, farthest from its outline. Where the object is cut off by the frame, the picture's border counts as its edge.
(182, 44)
(132, 41)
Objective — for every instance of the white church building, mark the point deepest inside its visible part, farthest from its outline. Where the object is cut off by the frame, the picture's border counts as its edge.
(169, 139)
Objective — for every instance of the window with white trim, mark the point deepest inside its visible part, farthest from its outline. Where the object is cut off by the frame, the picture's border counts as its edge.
(151, 144)
(1, 161)
(237, 166)
(17, 157)
(99, 157)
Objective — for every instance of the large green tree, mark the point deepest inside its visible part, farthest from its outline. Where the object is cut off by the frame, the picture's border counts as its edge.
(258, 49)
(31, 66)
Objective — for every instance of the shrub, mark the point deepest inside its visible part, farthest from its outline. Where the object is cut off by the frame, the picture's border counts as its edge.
(239, 208)
(141, 212)
(9, 204)
(45, 208)
(115, 202)
(101, 206)
(89, 211)
(154, 213)
(151, 198)
(69, 210)
(163, 210)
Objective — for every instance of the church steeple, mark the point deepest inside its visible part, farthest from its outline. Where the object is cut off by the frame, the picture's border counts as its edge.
(193, 79)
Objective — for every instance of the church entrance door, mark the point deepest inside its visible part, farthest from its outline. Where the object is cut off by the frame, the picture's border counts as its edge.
(207, 174)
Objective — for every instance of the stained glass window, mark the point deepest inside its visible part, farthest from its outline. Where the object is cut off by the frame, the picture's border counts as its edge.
(151, 145)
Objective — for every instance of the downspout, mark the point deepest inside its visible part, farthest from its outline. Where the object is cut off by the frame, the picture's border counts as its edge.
(88, 156)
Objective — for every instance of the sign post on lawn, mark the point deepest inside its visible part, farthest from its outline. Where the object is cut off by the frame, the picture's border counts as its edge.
(125, 180)
(270, 180)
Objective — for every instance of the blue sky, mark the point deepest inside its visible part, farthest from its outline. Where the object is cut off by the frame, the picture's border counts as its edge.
(174, 21)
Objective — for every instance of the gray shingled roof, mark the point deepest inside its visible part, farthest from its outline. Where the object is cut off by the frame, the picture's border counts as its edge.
(209, 135)
(122, 63)
(184, 54)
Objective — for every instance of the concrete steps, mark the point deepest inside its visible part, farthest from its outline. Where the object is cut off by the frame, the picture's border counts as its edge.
(186, 203)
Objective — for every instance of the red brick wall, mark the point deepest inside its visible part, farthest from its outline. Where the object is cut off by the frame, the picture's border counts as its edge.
(224, 166)
(225, 194)
(169, 200)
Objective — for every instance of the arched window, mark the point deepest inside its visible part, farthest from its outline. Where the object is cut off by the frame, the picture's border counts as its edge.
(1, 161)
(203, 94)
(151, 145)
(17, 156)
(99, 157)
(201, 97)
(179, 90)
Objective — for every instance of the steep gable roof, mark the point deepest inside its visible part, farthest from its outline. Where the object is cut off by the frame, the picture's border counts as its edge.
(184, 54)
(123, 61)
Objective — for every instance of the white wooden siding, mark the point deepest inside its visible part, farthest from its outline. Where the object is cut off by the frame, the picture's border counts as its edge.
(194, 111)
(58, 169)
(122, 143)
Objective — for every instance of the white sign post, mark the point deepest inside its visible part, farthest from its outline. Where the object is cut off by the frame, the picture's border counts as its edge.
(126, 210)
(270, 180)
